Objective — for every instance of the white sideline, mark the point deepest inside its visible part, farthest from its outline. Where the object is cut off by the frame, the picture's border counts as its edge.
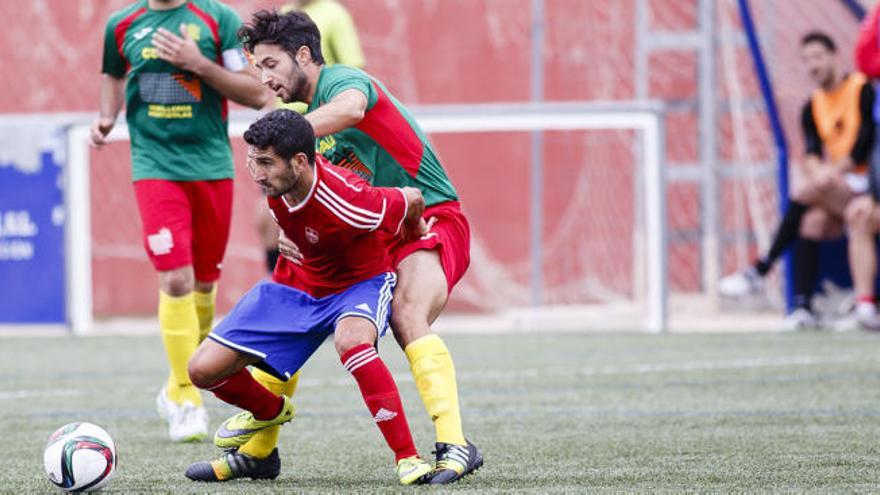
(28, 393)
(469, 376)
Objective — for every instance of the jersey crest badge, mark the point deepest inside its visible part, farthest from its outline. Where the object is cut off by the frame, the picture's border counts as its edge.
(312, 235)
(194, 31)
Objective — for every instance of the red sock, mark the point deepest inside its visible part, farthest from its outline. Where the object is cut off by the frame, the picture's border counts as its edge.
(241, 390)
(866, 298)
(382, 398)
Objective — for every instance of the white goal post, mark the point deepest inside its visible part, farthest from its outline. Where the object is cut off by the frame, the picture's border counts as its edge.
(645, 118)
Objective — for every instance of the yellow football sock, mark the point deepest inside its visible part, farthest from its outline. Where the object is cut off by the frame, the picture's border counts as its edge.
(264, 442)
(180, 333)
(434, 374)
(205, 309)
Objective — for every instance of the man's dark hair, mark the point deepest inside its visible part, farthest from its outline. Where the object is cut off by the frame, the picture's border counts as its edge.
(821, 38)
(285, 131)
(290, 31)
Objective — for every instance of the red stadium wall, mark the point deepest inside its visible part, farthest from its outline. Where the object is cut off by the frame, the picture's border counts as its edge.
(427, 52)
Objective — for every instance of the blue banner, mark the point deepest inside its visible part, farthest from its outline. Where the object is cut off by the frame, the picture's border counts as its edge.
(32, 281)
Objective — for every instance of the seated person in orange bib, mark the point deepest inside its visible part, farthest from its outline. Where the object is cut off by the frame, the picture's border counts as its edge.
(344, 288)
(362, 127)
(838, 128)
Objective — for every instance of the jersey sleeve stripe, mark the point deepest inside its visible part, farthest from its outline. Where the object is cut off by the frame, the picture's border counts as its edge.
(348, 206)
(346, 212)
(366, 226)
(210, 21)
(122, 28)
(215, 32)
(342, 208)
(331, 171)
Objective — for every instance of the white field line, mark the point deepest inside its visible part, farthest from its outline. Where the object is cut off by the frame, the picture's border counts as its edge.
(28, 393)
(635, 369)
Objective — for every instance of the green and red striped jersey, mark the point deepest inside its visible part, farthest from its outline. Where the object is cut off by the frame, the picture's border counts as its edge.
(177, 123)
(386, 148)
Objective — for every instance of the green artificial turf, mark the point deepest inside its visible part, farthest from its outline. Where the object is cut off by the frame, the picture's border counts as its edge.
(557, 413)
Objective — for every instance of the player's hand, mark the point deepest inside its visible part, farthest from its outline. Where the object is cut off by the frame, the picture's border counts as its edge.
(99, 131)
(421, 230)
(289, 250)
(179, 51)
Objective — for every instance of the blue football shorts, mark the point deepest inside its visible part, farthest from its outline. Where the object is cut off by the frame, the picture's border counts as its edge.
(284, 326)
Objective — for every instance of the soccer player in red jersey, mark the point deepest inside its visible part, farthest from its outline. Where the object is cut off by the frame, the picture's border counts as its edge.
(174, 63)
(344, 288)
(363, 128)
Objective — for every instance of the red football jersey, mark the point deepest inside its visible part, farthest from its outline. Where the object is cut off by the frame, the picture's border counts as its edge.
(344, 229)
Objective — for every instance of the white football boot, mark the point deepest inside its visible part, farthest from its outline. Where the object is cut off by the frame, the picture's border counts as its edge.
(186, 423)
(189, 425)
(742, 283)
(165, 406)
(800, 319)
(862, 317)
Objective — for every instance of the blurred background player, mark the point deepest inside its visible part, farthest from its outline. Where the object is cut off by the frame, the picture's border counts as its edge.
(343, 287)
(838, 128)
(174, 63)
(365, 129)
(340, 44)
(863, 214)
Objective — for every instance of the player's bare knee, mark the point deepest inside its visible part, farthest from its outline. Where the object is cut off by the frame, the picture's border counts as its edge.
(858, 213)
(353, 333)
(179, 282)
(813, 224)
(200, 373)
(345, 343)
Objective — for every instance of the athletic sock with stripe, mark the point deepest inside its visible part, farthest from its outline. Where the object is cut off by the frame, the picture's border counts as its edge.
(382, 398)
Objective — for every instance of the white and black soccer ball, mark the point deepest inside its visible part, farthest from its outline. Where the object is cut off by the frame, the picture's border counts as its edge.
(80, 457)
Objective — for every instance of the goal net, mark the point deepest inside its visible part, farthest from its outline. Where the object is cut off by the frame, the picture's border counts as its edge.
(565, 202)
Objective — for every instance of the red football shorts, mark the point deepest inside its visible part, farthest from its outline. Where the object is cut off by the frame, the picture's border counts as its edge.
(186, 223)
(450, 236)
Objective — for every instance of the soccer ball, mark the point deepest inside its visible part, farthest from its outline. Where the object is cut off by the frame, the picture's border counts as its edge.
(80, 457)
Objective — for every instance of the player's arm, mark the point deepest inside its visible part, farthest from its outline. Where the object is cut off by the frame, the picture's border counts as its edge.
(344, 110)
(112, 98)
(113, 70)
(812, 141)
(864, 144)
(241, 85)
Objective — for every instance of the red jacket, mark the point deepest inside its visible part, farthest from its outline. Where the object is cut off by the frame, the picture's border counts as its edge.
(868, 45)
